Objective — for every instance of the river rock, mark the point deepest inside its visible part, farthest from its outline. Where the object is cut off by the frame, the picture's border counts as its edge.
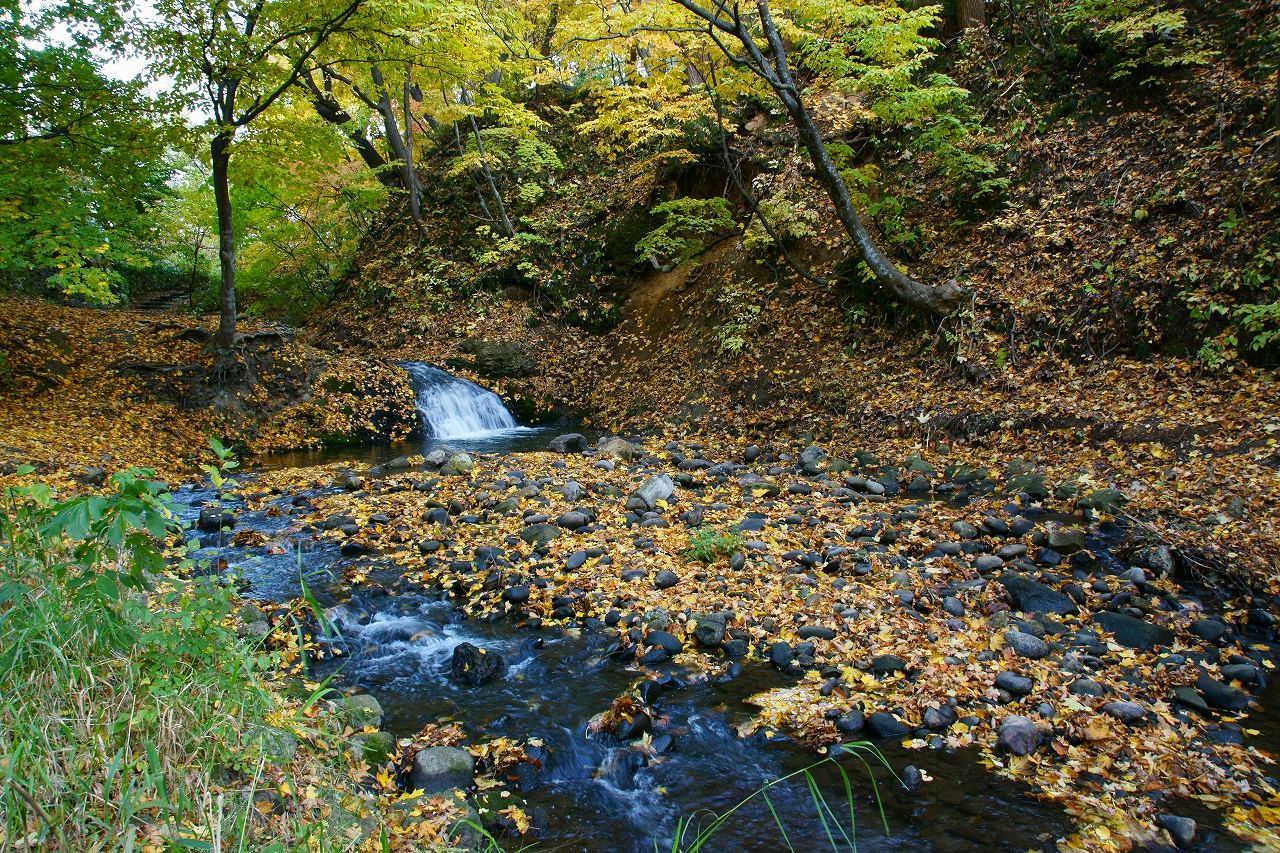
(816, 632)
(373, 748)
(851, 722)
(1181, 829)
(441, 768)
(1125, 712)
(539, 534)
(516, 595)
(474, 665)
(1066, 540)
(214, 518)
(780, 655)
(1031, 596)
(1221, 696)
(1209, 630)
(1133, 632)
(939, 717)
(1014, 684)
(458, 463)
(886, 725)
(666, 579)
(617, 448)
(1020, 736)
(709, 629)
(361, 711)
(657, 488)
(1025, 645)
(570, 442)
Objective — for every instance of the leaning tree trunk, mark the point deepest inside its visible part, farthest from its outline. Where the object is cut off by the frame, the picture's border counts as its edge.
(775, 70)
(220, 153)
(408, 177)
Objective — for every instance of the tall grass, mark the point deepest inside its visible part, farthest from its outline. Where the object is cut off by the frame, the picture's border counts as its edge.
(693, 832)
(130, 712)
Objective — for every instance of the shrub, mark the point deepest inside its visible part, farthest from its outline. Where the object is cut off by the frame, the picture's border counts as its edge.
(707, 545)
(686, 221)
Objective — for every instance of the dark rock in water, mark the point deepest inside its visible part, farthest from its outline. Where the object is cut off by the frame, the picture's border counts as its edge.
(1132, 632)
(620, 767)
(780, 655)
(912, 778)
(1031, 596)
(1019, 736)
(664, 640)
(1066, 540)
(1245, 673)
(570, 442)
(214, 518)
(441, 768)
(885, 724)
(352, 548)
(475, 665)
(851, 722)
(735, 648)
(815, 632)
(1014, 684)
(1221, 696)
(666, 579)
(1181, 829)
(1189, 698)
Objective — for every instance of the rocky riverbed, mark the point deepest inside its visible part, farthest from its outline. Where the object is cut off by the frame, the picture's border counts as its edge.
(926, 607)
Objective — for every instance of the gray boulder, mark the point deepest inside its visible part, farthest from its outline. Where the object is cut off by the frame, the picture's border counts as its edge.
(1020, 736)
(570, 442)
(441, 768)
(1031, 596)
(659, 487)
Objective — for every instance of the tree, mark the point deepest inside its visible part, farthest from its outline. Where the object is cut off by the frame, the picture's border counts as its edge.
(752, 40)
(241, 56)
(80, 152)
(971, 14)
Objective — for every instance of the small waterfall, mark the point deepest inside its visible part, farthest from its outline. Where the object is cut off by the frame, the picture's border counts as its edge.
(450, 407)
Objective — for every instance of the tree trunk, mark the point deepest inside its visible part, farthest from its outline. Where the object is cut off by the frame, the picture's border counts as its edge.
(415, 189)
(408, 178)
(971, 14)
(220, 152)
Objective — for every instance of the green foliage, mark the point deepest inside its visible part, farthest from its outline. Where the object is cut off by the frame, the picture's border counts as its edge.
(1135, 35)
(791, 219)
(707, 545)
(686, 221)
(80, 153)
(1246, 298)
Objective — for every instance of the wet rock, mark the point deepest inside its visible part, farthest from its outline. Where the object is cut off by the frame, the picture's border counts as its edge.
(1181, 829)
(851, 722)
(886, 725)
(1125, 712)
(1245, 673)
(1025, 645)
(666, 641)
(1221, 696)
(351, 548)
(1132, 632)
(214, 518)
(441, 768)
(912, 778)
(620, 767)
(1014, 684)
(517, 595)
(1065, 540)
(888, 664)
(666, 579)
(1019, 736)
(475, 665)
(570, 442)
(1087, 687)
(780, 655)
(1031, 596)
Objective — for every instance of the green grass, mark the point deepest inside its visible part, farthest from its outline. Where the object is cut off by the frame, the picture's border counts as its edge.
(130, 712)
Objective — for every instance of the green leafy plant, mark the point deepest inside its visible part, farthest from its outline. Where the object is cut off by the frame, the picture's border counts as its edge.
(707, 545)
(1135, 35)
(686, 222)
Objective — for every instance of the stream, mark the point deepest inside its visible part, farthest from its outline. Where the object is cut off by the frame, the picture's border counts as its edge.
(593, 794)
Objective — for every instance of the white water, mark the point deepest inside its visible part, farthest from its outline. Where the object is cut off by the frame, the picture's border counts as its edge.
(450, 407)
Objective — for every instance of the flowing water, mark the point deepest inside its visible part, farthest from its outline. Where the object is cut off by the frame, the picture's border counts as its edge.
(594, 794)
